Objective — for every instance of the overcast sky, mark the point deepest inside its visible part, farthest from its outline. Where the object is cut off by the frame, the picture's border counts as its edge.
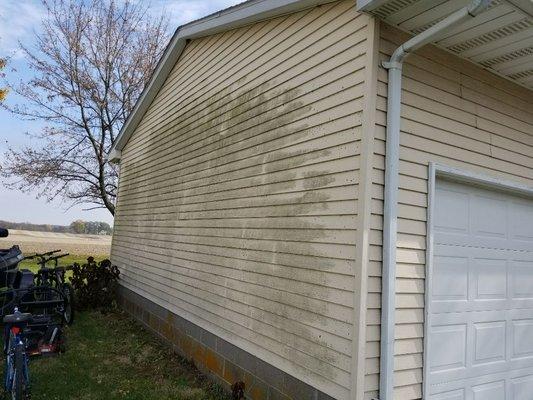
(19, 19)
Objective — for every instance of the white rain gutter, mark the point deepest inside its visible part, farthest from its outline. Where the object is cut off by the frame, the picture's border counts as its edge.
(392, 159)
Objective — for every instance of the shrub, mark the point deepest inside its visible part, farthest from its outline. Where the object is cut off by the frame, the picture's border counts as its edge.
(95, 284)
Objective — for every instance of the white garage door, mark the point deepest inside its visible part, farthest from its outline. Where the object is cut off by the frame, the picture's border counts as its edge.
(481, 312)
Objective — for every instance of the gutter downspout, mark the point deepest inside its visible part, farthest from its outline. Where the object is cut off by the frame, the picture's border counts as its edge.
(390, 212)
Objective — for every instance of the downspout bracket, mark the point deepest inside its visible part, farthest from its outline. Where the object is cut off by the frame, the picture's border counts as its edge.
(391, 65)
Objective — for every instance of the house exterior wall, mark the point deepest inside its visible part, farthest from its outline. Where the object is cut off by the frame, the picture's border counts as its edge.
(458, 115)
(238, 199)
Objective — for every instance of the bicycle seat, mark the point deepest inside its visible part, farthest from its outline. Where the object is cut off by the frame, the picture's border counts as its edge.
(18, 318)
(9, 258)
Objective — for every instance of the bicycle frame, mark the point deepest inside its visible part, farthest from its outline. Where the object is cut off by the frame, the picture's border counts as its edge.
(15, 342)
(19, 301)
(51, 276)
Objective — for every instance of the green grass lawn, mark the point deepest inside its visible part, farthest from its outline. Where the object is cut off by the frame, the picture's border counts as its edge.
(68, 260)
(109, 356)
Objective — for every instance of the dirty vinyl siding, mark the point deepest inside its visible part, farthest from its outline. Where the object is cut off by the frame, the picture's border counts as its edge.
(458, 115)
(238, 191)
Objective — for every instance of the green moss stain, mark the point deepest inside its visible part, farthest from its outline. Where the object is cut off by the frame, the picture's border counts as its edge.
(243, 148)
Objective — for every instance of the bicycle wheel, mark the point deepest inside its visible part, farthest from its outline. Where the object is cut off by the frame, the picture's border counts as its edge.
(68, 293)
(8, 375)
(7, 339)
(19, 386)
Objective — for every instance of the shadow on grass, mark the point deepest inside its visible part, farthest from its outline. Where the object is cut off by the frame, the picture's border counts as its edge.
(109, 356)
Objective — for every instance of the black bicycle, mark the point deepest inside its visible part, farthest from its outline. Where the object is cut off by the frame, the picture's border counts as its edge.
(34, 308)
(55, 277)
(17, 374)
(27, 335)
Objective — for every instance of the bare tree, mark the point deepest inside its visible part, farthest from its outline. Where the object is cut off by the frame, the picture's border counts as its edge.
(91, 61)
(3, 92)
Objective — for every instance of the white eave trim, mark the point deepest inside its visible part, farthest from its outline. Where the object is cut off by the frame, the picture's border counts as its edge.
(369, 5)
(526, 6)
(231, 18)
(114, 155)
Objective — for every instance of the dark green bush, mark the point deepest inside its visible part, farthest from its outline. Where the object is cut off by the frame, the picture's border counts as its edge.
(95, 284)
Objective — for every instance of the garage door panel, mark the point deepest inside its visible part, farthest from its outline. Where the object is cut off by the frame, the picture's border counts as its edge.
(516, 385)
(486, 342)
(470, 373)
(489, 340)
(469, 216)
(448, 348)
(487, 219)
(521, 279)
(450, 279)
(480, 325)
(521, 339)
(489, 391)
(456, 222)
(477, 279)
(488, 279)
(522, 388)
(521, 222)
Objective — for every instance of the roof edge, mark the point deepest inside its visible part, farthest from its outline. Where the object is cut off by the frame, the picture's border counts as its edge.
(369, 5)
(234, 17)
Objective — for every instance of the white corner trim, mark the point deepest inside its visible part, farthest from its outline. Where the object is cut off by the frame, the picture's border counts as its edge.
(429, 273)
(362, 238)
(458, 175)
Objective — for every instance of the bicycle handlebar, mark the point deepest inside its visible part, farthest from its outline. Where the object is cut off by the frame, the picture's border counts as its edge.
(41, 255)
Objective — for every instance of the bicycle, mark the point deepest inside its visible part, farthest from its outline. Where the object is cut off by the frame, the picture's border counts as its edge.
(17, 377)
(35, 308)
(55, 277)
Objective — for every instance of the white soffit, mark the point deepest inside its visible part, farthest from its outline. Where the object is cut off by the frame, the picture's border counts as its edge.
(500, 39)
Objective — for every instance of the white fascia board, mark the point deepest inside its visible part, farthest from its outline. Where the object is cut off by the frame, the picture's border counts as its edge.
(525, 6)
(231, 18)
(244, 14)
(369, 5)
(114, 156)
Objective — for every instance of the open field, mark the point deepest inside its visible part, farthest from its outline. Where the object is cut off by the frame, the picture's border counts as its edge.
(38, 242)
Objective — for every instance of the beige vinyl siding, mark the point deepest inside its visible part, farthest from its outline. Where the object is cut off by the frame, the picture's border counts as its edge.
(370, 299)
(237, 205)
(458, 115)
